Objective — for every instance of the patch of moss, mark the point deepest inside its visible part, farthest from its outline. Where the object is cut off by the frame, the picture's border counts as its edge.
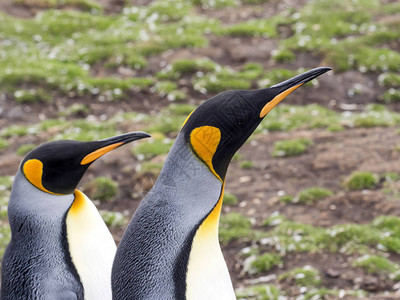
(306, 276)
(291, 147)
(391, 96)
(361, 181)
(255, 27)
(348, 36)
(265, 262)
(114, 219)
(233, 226)
(259, 292)
(283, 55)
(77, 109)
(14, 130)
(389, 79)
(274, 220)
(79, 129)
(151, 148)
(286, 198)
(102, 188)
(170, 90)
(230, 199)
(290, 117)
(31, 96)
(322, 293)
(221, 81)
(170, 119)
(149, 168)
(247, 164)
(207, 4)
(181, 67)
(82, 4)
(24, 149)
(390, 176)
(5, 192)
(5, 237)
(375, 264)
(3, 144)
(312, 194)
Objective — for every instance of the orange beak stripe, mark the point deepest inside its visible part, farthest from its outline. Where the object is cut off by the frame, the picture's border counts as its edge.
(278, 98)
(99, 152)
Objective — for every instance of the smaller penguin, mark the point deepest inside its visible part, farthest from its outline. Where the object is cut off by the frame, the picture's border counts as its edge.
(60, 247)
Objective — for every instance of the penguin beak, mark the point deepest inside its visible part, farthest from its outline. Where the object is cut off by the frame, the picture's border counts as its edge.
(111, 143)
(281, 90)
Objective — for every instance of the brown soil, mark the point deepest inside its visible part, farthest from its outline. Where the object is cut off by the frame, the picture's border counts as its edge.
(332, 157)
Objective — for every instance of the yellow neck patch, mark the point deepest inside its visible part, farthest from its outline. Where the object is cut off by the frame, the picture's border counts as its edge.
(33, 171)
(205, 140)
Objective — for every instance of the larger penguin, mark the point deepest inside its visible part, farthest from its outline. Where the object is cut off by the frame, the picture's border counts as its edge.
(60, 247)
(170, 249)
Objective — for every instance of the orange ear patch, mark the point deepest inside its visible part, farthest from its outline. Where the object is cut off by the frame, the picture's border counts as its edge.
(205, 140)
(33, 171)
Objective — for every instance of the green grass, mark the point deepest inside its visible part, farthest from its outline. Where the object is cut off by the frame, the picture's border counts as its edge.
(375, 264)
(291, 147)
(234, 226)
(266, 28)
(5, 192)
(313, 194)
(114, 219)
(246, 165)
(31, 96)
(55, 51)
(151, 148)
(389, 79)
(306, 276)
(265, 262)
(102, 188)
(24, 149)
(230, 199)
(361, 181)
(287, 236)
(82, 4)
(346, 34)
(391, 96)
(149, 168)
(3, 144)
(259, 292)
(169, 120)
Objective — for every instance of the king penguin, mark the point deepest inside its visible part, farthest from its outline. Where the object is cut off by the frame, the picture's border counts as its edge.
(170, 249)
(60, 247)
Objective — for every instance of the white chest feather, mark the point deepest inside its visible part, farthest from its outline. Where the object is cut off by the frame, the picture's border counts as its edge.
(91, 246)
(207, 275)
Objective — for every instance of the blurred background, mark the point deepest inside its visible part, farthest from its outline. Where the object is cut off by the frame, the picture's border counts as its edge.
(312, 204)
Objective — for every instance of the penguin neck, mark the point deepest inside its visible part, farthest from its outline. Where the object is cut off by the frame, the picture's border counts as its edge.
(29, 204)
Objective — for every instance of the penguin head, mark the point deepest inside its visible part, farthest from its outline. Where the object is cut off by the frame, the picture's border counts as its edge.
(57, 167)
(222, 124)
